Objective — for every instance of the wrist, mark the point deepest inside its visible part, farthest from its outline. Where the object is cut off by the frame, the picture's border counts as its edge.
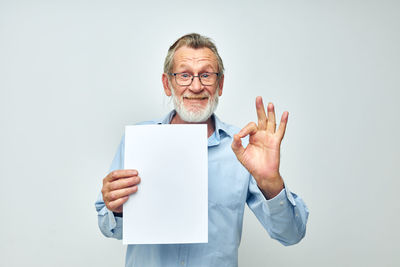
(271, 187)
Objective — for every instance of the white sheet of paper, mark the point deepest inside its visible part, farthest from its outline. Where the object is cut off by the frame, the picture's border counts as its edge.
(171, 205)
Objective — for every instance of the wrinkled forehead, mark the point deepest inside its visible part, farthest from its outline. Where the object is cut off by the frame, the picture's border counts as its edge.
(194, 57)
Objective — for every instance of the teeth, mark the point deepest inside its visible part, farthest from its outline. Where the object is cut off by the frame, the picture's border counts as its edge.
(190, 98)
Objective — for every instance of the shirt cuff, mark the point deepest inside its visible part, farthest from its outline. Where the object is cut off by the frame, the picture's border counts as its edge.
(281, 201)
(111, 220)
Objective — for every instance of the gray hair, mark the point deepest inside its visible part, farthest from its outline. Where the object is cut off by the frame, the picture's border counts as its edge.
(195, 41)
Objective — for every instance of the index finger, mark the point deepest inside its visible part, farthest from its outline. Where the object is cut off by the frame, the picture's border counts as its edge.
(118, 174)
(262, 117)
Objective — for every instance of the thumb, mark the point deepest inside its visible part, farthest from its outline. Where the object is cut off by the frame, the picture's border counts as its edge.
(237, 147)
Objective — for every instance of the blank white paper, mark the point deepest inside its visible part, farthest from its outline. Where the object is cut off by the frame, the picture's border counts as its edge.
(171, 205)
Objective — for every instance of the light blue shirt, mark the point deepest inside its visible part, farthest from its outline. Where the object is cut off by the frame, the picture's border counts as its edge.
(230, 186)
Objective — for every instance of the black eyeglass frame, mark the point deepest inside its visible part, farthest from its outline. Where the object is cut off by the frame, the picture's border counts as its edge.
(193, 76)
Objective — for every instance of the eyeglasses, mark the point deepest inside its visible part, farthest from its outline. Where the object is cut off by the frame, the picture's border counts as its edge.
(186, 79)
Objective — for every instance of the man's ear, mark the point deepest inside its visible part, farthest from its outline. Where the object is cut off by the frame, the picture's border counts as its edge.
(221, 85)
(165, 83)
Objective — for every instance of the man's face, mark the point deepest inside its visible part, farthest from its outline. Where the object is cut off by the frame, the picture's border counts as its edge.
(195, 102)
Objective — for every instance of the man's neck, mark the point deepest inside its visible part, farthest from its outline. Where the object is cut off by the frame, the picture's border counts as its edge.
(210, 123)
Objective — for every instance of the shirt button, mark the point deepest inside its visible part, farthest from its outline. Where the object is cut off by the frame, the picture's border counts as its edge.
(281, 203)
(183, 263)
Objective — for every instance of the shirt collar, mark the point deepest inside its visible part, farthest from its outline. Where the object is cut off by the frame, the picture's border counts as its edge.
(167, 119)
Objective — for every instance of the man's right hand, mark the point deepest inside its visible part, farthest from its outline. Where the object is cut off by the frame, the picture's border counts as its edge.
(117, 186)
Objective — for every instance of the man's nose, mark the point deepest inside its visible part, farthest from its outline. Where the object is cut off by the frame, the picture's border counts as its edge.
(196, 85)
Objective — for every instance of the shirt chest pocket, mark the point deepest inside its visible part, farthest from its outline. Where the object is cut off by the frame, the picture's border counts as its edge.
(227, 184)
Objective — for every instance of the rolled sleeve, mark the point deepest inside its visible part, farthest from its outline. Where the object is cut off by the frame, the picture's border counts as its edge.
(110, 225)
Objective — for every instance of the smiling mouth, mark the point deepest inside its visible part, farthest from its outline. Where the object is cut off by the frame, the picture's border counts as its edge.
(195, 98)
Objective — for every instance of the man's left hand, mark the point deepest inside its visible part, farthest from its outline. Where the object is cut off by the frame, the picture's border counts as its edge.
(261, 156)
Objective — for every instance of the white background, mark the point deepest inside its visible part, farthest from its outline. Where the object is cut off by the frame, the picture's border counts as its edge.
(73, 73)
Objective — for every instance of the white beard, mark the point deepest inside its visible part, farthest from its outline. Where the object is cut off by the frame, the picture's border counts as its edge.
(197, 113)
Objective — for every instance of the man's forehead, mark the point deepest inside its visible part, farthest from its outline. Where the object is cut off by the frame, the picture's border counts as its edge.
(185, 53)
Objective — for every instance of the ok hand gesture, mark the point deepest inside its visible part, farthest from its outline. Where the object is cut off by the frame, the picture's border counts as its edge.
(261, 156)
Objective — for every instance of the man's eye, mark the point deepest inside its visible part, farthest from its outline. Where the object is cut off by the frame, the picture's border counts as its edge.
(185, 75)
(205, 75)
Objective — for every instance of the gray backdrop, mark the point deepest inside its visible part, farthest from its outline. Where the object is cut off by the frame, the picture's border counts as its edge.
(73, 73)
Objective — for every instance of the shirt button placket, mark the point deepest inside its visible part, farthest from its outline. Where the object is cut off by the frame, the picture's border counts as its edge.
(183, 255)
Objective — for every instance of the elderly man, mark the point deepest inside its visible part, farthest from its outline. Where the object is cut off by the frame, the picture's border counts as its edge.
(194, 77)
